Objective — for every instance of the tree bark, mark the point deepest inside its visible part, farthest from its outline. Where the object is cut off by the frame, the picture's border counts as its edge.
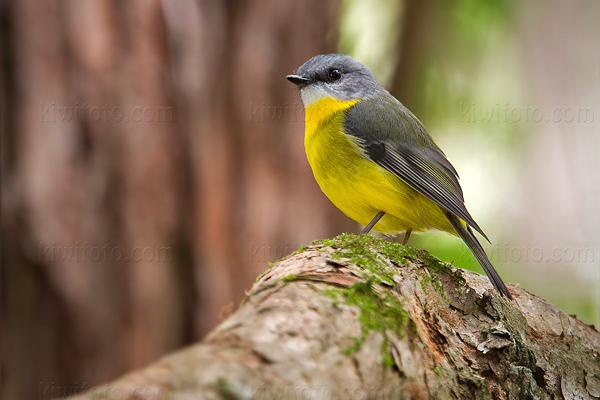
(357, 317)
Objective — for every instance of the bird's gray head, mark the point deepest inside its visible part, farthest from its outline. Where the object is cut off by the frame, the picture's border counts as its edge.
(334, 75)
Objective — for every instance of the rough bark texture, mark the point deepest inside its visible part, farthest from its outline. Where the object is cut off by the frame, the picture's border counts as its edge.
(358, 317)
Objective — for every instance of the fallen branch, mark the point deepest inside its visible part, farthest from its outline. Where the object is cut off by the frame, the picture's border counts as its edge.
(358, 317)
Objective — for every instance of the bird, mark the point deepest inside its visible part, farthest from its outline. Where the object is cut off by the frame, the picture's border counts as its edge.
(376, 162)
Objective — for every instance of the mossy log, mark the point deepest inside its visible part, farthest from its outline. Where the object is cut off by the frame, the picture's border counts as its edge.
(360, 318)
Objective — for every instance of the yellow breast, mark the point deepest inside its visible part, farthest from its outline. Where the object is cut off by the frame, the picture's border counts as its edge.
(357, 186)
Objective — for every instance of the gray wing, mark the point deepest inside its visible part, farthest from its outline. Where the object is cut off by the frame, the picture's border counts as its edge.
(392, 137)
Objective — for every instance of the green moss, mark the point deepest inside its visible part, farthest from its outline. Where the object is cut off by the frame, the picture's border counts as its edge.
(380, 312)
(334, 294)
(368, 252)
(270, 265)
(439, 267)
(365, 251)
(435, 282)
(289, 278)
(228, 390)
(424, 281)
(301, 249)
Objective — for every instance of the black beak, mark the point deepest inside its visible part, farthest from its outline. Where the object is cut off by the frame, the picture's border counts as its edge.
(298, 80)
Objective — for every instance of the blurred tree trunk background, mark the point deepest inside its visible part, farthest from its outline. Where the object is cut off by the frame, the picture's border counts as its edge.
(152, 159)
(152, 164)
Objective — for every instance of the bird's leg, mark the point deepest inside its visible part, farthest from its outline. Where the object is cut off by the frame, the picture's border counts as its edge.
(406, 236)
(373, 222)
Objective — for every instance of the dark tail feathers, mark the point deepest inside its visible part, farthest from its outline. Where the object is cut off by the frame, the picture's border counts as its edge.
(467, 235)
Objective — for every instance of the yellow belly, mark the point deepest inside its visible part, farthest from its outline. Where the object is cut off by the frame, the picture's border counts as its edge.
(359, 187)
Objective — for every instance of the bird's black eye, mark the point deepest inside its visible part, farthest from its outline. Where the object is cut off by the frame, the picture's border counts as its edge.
(335, 74)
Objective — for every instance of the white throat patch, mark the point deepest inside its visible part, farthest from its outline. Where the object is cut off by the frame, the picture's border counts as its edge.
(311, 94)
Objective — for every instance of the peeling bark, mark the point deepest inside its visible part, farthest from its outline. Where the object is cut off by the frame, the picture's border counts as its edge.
(358, 317)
